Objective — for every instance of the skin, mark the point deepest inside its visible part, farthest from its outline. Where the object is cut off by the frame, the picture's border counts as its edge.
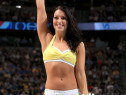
(60, 76)
(61, 20)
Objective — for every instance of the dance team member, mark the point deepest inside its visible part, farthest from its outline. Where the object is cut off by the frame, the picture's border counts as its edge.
(63, 52)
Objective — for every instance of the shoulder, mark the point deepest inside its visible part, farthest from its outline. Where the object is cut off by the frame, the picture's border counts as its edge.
(80, 47)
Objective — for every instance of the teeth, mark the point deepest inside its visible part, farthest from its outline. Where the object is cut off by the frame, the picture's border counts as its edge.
(59, 25)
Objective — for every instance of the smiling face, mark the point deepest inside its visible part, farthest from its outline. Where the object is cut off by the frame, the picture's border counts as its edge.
(60, 21)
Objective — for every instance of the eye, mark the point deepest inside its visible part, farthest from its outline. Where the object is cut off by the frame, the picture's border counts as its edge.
(64, 18)
(55, 17)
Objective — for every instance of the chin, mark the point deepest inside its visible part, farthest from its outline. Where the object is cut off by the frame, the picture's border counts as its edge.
(60, 30)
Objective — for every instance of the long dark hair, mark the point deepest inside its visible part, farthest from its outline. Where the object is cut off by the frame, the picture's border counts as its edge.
(73, 34)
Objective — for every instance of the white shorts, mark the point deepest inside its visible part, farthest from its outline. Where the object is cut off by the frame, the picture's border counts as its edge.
(59, 92)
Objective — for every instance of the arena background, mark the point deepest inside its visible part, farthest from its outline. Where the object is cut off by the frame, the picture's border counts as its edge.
(103, 24)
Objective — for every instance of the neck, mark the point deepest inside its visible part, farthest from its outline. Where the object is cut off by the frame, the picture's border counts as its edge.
(59, 37)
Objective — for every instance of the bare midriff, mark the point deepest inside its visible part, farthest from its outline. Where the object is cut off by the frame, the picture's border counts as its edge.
(60, 76)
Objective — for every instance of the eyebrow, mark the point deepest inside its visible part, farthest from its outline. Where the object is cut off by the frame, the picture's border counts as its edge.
(61, 16)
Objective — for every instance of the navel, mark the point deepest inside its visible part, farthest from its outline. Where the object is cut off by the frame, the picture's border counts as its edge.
(61, 79)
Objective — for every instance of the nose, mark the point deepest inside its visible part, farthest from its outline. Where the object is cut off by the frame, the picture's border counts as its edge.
(59, 20)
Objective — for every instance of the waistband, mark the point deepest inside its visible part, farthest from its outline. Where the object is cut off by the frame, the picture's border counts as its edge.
(62, 92)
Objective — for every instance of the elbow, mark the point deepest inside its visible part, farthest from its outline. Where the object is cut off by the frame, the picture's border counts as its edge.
(79, 74)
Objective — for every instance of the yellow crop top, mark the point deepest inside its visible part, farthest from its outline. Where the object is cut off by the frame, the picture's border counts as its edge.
(52, 53)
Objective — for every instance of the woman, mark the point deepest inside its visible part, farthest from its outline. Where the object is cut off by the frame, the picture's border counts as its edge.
(63, 52)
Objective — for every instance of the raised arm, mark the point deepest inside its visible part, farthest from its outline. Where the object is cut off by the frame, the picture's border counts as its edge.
(44, 33)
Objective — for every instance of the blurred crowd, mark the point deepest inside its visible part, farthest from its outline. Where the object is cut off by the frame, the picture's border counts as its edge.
(16, 41)
(22, 71)
(102, 70)
(5, 2)
(108, 12)
(25, 14)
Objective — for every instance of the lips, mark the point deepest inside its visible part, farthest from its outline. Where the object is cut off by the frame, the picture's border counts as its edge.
(59, 26)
